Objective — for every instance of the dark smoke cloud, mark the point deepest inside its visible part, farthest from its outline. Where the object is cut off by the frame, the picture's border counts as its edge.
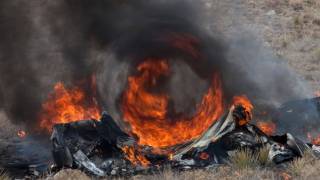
(69, 40)
(19, 84)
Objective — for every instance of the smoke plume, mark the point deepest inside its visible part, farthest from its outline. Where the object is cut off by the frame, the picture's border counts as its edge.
(44, 42)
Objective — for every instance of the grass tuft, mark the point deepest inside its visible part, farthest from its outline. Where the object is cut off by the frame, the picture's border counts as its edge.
(296, 166)
(263, 156)
(243, 159)
(299, 166)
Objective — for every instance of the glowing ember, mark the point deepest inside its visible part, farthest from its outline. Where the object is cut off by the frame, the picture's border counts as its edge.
(134, 157)
(314, 140)
(146, 112)
(285, 176)
(67, 105)
(268, 128)
(21, 133)
(204, 155)
(246, 104)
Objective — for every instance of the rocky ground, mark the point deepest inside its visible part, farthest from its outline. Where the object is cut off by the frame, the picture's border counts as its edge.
(290, 27)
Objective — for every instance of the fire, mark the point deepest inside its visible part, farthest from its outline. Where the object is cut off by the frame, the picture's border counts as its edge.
(147, 113)
(187, 43)
(21, 133)
(246, 104)
(135, 157)
(314, 140)
(268, 128)
(67, 105)
(285, 176)
(204, 156)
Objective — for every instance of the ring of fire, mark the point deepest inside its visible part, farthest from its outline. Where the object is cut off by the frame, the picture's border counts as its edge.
(147, 113)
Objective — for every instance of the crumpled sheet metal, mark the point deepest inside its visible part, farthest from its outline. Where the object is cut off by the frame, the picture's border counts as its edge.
(83, 161)
(216, 131)
(223, 136)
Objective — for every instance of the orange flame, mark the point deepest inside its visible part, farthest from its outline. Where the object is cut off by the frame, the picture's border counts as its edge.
(204, 155)
(285, 176)
(314, 140)
(135, 157)
(246, 104)
(21, 133)
(268, 128)
(67, 105)
(146, 112)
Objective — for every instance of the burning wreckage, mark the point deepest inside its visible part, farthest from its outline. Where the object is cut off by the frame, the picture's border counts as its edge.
(101, 148)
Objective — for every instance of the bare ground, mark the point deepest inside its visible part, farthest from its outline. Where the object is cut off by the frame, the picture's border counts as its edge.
(292, 29)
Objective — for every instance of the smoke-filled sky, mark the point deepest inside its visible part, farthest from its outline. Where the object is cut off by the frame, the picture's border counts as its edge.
(43, 42)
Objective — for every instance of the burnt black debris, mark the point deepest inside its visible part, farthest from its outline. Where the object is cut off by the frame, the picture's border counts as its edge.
(96, 146)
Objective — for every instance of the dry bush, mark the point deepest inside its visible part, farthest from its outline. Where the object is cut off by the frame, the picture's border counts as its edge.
(243, 159)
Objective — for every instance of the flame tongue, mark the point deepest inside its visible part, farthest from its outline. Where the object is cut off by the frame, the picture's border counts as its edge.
(246, 107)
(133, 155)
(67, 105)
(147, 115)
(314, 140)
(268, 128)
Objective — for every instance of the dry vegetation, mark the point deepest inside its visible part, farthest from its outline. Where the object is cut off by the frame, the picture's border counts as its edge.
(292, 29)
(4, 175)
(244, 165)
(243, 159)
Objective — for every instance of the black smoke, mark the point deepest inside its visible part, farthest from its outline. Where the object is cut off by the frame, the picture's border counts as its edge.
(69, 40)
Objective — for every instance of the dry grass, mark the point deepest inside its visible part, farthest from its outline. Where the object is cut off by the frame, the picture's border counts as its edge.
(69, 174)
(224, 173)
(4, 175)
(263, 156)
(297, 166)
(243, 159)
(293, 32)
(307, 166)
(247, 166)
